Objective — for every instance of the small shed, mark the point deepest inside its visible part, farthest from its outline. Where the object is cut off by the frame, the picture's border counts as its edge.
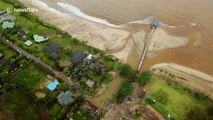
(142, 93)
(155, 23)
(28, 43)
(21, 32)
(90, 83)
(77, 57)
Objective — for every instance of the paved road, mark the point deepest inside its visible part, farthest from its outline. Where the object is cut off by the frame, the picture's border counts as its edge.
(24, 53)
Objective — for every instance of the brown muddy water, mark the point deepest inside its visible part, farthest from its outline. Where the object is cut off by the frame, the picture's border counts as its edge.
(192, 18)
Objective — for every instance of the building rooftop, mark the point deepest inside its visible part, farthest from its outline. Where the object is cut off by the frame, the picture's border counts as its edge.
(39, 39)
(90, 83)
(28, 43)
(14, 67)
(92, 109)
(22, 32)
(53, 85)
(77, 57)
(53, 49)
(65, 98)
(8, 24)
(155, 23)
(6, 16)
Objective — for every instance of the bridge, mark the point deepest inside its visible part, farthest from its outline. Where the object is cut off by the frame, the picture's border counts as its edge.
(154, 25)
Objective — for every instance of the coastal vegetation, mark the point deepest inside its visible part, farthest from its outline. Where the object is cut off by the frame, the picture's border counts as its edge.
(176, 102)
(171, 100)
(125, 89)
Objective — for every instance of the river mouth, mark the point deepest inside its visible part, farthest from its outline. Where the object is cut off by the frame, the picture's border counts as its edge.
(191, 19)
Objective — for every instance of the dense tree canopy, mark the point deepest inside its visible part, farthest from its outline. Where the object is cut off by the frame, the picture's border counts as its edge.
(126, 89)
(145, 77)
(125, 70)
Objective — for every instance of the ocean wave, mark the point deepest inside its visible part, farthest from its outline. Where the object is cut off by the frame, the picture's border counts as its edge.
(76, 11)
(46, 6)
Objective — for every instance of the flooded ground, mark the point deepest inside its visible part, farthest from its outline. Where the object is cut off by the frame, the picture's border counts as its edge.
(106, 93)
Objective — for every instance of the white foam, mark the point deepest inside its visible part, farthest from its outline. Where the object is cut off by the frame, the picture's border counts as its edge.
(44, 5)
(193, 24)
(145, 21)
(76, 11)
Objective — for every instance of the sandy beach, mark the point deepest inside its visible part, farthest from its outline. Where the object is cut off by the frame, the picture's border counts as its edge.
(118, 40)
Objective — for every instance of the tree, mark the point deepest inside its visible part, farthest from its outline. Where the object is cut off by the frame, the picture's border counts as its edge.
(63, 86)
(145, 77)
(125, 89)
(125, 70)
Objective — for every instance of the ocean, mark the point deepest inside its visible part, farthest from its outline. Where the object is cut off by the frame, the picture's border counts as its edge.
(191, 18)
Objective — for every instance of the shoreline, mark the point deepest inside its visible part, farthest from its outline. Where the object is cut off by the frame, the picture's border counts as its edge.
(106, 38)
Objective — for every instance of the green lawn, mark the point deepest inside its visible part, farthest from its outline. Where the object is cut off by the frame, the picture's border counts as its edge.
(7, 52)
(30, 76)
(175, 100)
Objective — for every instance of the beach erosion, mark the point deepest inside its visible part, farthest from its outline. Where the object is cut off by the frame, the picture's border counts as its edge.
(124, 40)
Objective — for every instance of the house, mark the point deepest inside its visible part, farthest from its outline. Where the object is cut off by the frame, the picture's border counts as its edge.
(77, 71)
(92, 109)
(14, 67)
(77, 57)
(88, 60)
(142, 94)
(39, 39)
(6, 16)
(100, 66)
(8, 25)
(28, 43)
(52, 86)
(1, 55)
(53, 49)
(22, 33)
(65, 98)
(90, 83)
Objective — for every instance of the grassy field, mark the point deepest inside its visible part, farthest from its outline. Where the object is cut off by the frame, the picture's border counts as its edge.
(176, 101)
(19, 106)
(29, 77)
(8, 53)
